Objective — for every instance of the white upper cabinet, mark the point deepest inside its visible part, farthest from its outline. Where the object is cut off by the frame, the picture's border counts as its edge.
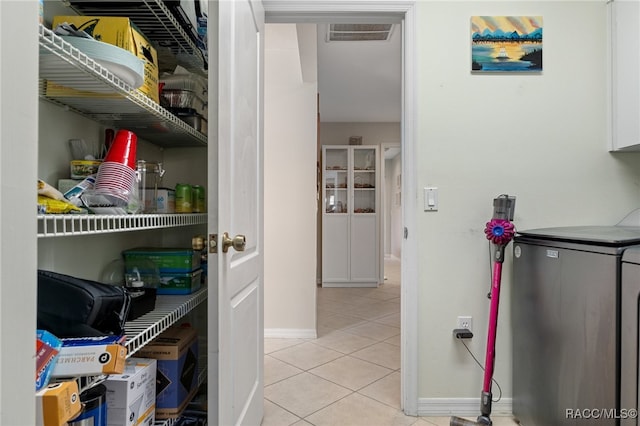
(624, 113)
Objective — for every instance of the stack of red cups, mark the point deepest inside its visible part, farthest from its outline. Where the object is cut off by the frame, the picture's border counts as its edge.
(117, 174)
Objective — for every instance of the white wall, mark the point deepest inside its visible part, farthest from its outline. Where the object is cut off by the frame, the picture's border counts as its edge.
(372, 133)
(290, 134)
(540, 137)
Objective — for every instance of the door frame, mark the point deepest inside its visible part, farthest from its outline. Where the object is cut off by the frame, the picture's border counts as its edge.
(400, 11)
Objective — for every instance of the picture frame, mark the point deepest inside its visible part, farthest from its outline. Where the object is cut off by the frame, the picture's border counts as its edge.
(506, 44)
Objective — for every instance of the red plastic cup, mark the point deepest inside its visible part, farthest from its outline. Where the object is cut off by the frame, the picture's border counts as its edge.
(123, 149)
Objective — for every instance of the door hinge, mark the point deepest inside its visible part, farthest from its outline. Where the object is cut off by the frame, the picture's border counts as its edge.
(406, 233)
(213, 243)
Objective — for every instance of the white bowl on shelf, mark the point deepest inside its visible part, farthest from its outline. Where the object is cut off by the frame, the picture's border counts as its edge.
(120, 62)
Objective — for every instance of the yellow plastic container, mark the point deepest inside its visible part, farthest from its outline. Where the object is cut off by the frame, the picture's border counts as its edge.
(80, 169)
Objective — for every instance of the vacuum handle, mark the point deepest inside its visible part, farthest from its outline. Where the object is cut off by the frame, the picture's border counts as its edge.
(503, 207)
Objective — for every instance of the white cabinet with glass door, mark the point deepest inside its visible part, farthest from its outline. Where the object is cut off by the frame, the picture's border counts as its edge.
(350, 240)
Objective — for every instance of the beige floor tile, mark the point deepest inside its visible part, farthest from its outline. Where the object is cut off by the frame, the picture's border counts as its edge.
(302, 423)
(304, 394)
(306, 355)
(335, 306)
(375, 310)
(392, 319)
(330, 303)
(359, 410)
(422, 421)
(341, 291)
(392, 289)
(350, 372)
(277, 416)
(339, 322)
(276, 344)
(276, 370)
(440, 421)
(360, 298)
(337, 294)
(382, 353)
(343, 342)
(385, 390)
(380, 295)
(395, 340)
(373, 331)
(323, 331)
(395, 300)
(325, 295)
(324, 311)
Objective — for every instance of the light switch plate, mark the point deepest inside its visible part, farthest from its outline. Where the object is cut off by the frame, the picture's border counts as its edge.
(430, 199)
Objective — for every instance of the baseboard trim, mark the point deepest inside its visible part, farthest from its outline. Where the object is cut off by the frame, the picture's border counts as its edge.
(291, 333)
(461, 407)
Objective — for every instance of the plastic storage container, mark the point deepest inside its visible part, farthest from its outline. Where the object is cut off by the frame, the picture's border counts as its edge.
(168, 260)
(180, 283)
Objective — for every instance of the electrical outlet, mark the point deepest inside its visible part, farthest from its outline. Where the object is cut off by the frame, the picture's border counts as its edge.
(465, 323)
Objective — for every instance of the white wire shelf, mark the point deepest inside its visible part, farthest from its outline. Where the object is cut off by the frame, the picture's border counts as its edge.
(168, 310)
(62, 225)
(156, 21)
(105, 98)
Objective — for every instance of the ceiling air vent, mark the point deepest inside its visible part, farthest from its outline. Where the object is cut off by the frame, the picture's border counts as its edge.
(359, 32)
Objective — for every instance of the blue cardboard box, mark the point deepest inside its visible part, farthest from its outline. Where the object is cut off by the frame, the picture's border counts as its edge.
(176, 351)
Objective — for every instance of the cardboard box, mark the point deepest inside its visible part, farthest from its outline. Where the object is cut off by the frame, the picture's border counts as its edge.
(176, 351)
(180, 283)
(168, 260)
(80, 357)
(47, 349)
(131, 396)
(121, 32)
(57, 404)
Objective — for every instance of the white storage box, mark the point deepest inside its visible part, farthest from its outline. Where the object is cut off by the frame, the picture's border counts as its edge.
(131, 396)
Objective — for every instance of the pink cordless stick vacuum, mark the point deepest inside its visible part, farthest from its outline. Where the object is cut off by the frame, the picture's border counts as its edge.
(500, 231)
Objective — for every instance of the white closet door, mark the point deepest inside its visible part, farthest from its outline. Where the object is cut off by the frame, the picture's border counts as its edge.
(240, 212)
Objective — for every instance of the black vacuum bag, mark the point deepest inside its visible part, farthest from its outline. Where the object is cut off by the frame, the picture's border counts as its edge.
(75, 307)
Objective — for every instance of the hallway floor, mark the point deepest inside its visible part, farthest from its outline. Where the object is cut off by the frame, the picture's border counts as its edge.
(350, 374)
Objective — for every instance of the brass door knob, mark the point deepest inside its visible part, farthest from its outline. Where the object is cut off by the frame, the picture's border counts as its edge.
(238, 242)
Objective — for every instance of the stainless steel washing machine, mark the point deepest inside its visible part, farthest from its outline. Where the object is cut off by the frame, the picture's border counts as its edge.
(574, 309)
(630, 333)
